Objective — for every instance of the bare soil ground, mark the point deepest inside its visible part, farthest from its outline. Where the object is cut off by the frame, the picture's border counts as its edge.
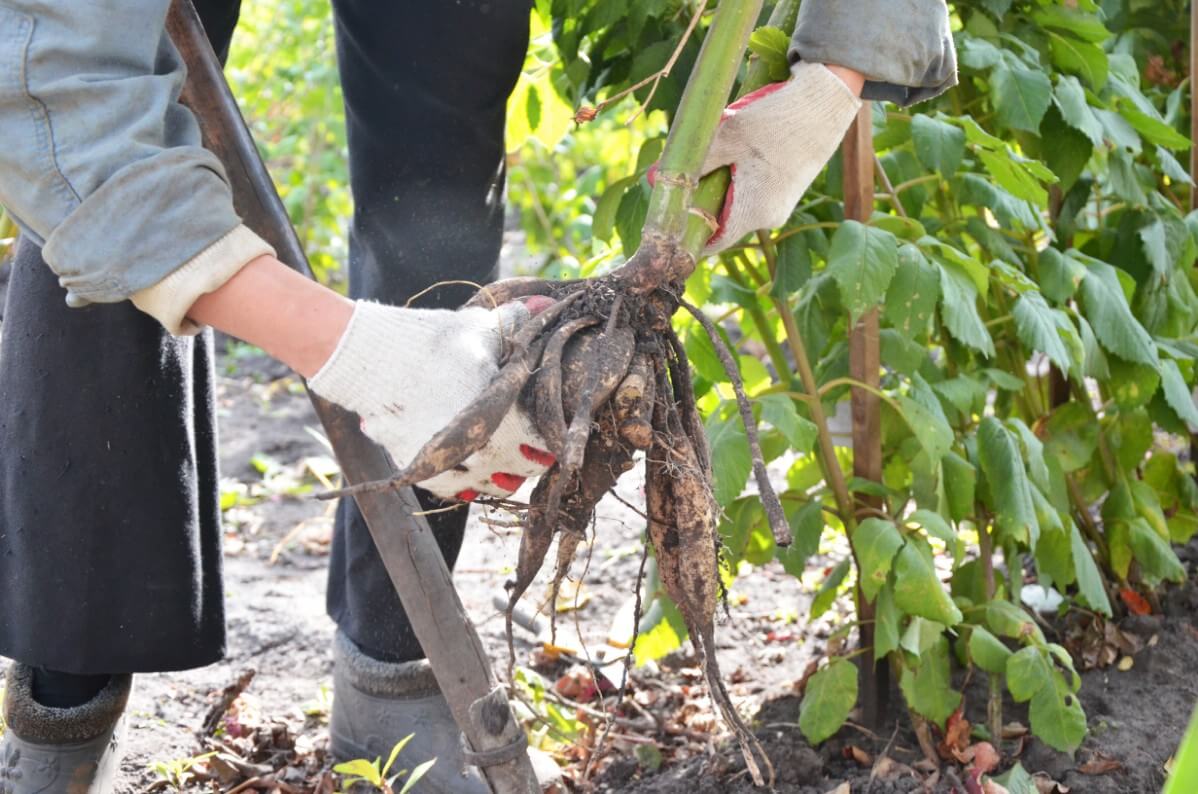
(276, 545)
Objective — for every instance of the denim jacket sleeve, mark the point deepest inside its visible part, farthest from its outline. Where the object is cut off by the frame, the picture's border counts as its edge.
(99, 162)
(903, 47)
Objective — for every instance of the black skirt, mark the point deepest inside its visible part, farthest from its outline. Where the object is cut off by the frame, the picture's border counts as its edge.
(110, 542)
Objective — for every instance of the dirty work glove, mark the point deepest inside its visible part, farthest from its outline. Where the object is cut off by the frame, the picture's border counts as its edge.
(775, 141)
(408, 372)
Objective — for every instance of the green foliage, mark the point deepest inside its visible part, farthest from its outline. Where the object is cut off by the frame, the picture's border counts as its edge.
(283, 70)
(1032, 259)
(377, 774)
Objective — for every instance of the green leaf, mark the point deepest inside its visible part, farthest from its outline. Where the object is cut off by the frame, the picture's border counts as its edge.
(830, 696)
(1080, 58)
(932, 430)
(935, 526)
(1070, 99)
(630, 216)
(1154, 130)
(1060, 276)
(1015, 514)
(874, 544)
(806, 525)
(927, 685)
(1095, 360)
(793, 266)
(1036, 325)
(1089, 580)
(911, 298)
(863, 261)
(1177, 394)
(938, 145)
(921, 635)
(779, 411)
(662, 630)
(828, 590)
(1070, 151)
(917, 589)
(988, 651)
(958, 302)
(731, 460)
(603, 221)
(360, 767)
(960, 485)
(1133, 385)
(1074, 21)
(1115, 326)
(1028, 671)
(1007, 620)
(1154, 554)
(886, 624)
(1020, 94)
(532, 108)
(1016, 780)
(1056, 716)
(416, 775)
(1013, 177)
(395, 751)
(771, 45)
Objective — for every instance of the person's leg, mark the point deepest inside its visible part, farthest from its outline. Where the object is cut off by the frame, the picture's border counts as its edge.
(425, 87)
(110, 537)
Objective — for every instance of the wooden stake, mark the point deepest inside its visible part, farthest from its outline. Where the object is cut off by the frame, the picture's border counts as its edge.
(865, 366)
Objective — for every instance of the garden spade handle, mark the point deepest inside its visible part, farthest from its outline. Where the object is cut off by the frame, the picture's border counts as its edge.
(404, 540)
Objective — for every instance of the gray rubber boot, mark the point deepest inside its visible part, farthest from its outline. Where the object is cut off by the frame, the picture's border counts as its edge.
(60, 751)
(375, 704)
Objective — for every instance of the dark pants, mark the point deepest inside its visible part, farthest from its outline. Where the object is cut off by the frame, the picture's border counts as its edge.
(109, 522)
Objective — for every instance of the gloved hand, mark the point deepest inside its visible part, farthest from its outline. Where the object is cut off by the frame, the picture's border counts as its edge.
(408, 372)
(775, 141)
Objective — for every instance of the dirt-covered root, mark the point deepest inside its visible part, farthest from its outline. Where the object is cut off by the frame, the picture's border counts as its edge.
(510, 289)
(682, 521)
(543, 397)
(633, 403)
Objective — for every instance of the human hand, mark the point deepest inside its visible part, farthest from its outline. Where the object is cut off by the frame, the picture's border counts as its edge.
(408, 372)
(775, 141)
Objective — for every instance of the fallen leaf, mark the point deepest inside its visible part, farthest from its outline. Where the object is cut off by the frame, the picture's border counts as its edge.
(1135, 602)
(857, 754)
(1125, 664)
(985, 757)
(956, 736)
(843, 788)
(1014, 730)
(888, 770)
(990, 787)
(1099, 764)
(1046, 785)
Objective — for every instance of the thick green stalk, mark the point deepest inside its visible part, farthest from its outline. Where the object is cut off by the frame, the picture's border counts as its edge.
(709, 196)
(698, 115)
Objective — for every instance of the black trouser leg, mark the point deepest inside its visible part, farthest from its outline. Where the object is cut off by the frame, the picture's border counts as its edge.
(425, 88)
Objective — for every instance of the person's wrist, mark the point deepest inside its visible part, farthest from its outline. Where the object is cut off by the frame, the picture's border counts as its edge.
(854, 80)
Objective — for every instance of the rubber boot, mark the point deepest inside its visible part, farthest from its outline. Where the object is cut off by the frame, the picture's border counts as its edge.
(60, 751)
(376, 704)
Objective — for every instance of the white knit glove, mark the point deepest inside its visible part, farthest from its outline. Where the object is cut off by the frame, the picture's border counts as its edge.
(408, 372)
(776, 140)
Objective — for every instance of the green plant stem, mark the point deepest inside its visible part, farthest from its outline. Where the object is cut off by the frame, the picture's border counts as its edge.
(777, 356)
(994, 680)
(827, 449)
(699, 112)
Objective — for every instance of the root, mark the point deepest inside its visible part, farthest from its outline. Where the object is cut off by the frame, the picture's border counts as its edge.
(548, 412)
(750, 748)
(769, 499)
